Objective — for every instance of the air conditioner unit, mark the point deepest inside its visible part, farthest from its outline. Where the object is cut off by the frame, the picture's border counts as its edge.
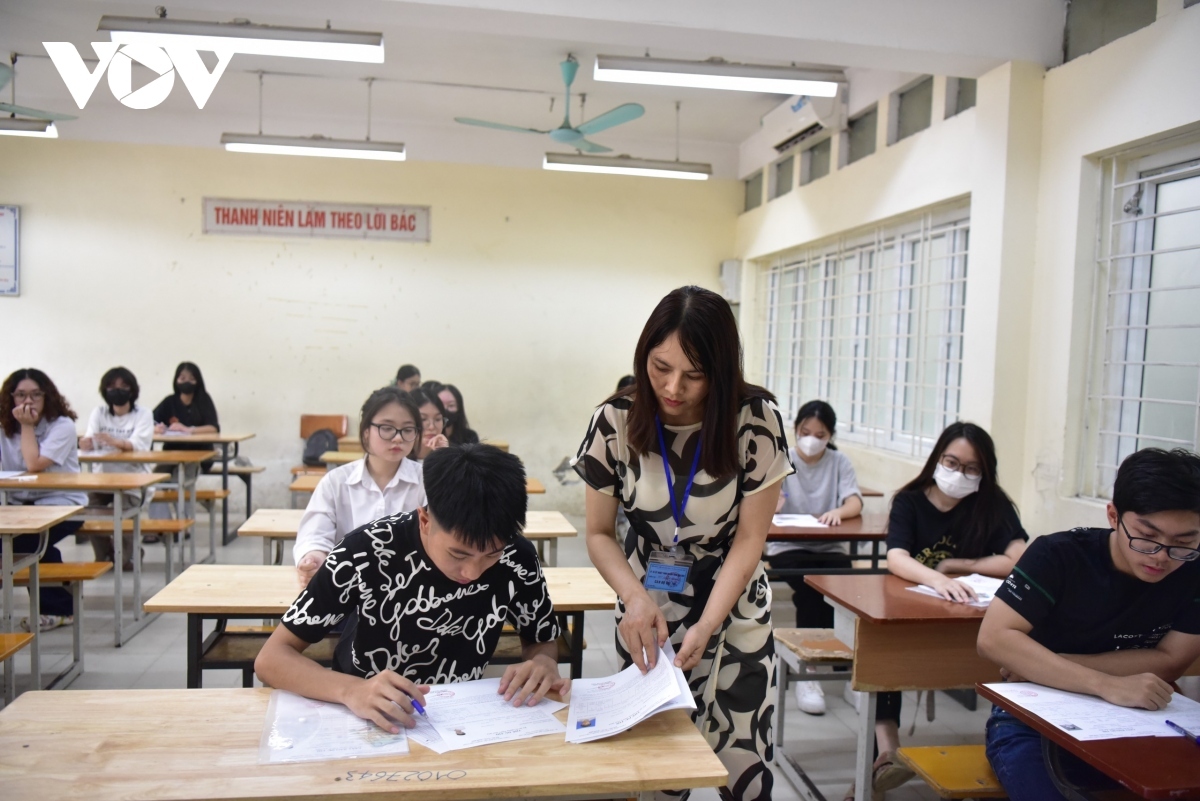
(787, 125)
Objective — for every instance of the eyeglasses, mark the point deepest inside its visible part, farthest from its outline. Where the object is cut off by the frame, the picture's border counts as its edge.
(21, 397)
(951, 463)
(433, 422)
(1176, 552)
(388, 433)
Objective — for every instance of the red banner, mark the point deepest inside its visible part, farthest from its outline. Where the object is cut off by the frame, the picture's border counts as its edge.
(326, 220)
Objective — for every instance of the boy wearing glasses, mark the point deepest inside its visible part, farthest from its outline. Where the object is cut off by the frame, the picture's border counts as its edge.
(1108, 612)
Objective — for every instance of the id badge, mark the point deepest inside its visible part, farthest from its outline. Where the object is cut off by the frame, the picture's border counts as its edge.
(668, 570)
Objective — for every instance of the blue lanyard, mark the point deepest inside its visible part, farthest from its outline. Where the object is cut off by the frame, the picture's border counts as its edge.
(677, 508)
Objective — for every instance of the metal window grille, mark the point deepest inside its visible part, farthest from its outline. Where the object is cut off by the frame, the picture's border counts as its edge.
(872, 323)
(1144, 370)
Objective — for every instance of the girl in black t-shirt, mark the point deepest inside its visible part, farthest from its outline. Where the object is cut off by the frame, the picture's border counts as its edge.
(188, 410)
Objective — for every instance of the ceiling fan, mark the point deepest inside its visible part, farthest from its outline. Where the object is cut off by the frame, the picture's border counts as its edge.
(8, 75)
(573, 135)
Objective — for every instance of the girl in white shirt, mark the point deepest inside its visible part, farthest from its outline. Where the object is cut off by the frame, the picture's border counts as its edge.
(385, 482)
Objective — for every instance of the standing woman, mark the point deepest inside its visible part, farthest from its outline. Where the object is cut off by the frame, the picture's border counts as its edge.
(39, 436)
(695, 456)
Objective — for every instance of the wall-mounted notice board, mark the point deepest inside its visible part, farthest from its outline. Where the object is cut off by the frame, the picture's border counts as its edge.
(10, 271)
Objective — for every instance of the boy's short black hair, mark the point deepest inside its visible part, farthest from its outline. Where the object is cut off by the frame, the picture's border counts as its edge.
(1154, 480)
(477, 492)
(406, 372)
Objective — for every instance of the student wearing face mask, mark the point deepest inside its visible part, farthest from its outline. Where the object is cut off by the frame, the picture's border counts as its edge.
(188, 410)
(824, 486)
(952, 519)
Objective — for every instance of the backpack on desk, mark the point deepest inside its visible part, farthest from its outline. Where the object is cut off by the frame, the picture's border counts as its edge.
(319, 442)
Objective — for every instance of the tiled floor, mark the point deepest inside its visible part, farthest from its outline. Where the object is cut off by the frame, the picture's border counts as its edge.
(155, 658)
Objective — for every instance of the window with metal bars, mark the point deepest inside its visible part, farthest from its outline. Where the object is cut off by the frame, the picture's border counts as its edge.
(872, 322)
(1144, 370)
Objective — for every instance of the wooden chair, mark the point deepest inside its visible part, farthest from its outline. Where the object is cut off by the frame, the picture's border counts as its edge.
(800, 649)
(10, 646)
(954, 771)
(339, 424)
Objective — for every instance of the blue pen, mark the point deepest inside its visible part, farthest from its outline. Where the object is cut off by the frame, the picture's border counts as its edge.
(1191, 735)
(417, 706)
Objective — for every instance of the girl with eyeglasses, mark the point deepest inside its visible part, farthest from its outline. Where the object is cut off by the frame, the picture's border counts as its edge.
(387, 481)
(432, 419)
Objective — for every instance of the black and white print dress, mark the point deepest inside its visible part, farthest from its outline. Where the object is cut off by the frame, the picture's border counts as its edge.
(736, 710)
(411, 618)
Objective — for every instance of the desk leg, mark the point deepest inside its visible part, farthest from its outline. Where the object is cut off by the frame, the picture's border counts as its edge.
(35, 613)
(577, 645)
(119, 559)
(267, 550)
(225, 539)
(136, 556)
(553, 561)
(195, 642)
(6, 575)
(874, 554)
(180, 509)
(863, 761)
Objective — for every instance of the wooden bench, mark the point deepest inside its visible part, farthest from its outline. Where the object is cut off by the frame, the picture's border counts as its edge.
(11, 644)
(246, 473)
(799, 650)
(167, 530)
(954, 771)
(206, 498)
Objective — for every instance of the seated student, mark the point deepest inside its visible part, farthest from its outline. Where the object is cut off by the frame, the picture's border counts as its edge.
(458, 430)
(824, 486)
(188, 410)
(118, 424)
(1112, 612)
(385, 482)
(433, 423)
(38, 436)
(625, 381)
(408, 377)
(464, 556)
(953, 518)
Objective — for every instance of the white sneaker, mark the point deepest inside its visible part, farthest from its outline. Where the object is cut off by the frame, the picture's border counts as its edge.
(810, 697)
(852, 697)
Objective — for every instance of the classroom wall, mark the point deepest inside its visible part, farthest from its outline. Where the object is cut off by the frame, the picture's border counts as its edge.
(530, 296)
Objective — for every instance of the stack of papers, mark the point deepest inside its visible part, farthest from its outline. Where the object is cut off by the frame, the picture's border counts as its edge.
(472, 713)
(299, 729)
(603, 707)
(1086, 717)
(985, 588)
(797, 521)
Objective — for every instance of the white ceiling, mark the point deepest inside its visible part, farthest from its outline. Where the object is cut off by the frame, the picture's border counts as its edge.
(498, 60)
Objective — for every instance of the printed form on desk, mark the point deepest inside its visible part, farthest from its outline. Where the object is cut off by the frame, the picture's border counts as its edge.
(797, 521)
(985, 588)
(1086, 717)
(473, 713)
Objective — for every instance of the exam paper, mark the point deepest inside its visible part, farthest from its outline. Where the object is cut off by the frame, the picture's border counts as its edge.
(603, 707)
(985, 587)
(298, 729)
(471, 713)
(11, 473)
(797, 521)
(1086, 717)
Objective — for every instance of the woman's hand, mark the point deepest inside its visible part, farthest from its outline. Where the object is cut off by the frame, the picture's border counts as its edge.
(436, 442)
(180, 427)
(86, 444)
(953, 590)
(308, 566)
(643, 626)
(159, 428)
(25, 414)
(830, 519)
(386, 699)
(688, 655)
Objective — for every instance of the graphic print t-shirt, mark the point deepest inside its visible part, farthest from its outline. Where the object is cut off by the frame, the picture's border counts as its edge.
(412, 619)
(931, 535)
(1066, 585)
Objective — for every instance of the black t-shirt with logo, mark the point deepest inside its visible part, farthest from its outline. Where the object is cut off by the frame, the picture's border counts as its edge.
(413, 619)
(931, 535)
(1066, 585)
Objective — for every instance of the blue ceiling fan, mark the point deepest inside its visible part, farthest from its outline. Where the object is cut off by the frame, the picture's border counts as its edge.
(572, 135)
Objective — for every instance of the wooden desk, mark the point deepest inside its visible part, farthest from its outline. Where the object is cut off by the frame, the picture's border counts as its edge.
(222, 441)
(14, 522)
(865, 528)
(222, 592)
(180, 460)
(1151, 767)
(534, 486)
(350, 442)
(114, 484)
(106, 745)
(339, 458)
(867, 492)
(545, 529)
(901, 640)
(496, 443)
(302, 485)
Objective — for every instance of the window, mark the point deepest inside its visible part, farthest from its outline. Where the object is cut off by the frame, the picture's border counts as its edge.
(873, 323)
(860, 135)
(815, 161)
(1091, 24)
(782, 176)
(1144, 374)
(754, 191)
(913, 110)
(960, 95)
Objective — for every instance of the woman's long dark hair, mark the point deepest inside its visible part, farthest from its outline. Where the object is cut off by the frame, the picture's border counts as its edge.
(708, 334)
(191, 367)
(991, 502)
(54, 404)
(824, 414)
(459, 427)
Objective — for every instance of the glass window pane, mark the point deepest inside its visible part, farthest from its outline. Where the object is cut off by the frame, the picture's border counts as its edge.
(916, 109)
(862, 135)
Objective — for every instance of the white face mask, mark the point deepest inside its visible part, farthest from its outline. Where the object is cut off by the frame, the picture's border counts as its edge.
(954, 483)
(811, 446)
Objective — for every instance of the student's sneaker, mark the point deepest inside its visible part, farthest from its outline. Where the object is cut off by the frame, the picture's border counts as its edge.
(852, 697)
(48, 622)
(810, 697)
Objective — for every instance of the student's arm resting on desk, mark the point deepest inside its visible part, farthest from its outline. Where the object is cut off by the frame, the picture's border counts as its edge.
(532, 615)
(901, 563)
(850, 509)
(1173, 655)
(997, 565)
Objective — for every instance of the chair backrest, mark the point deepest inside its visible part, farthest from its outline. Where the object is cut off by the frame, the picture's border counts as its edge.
(339, 424)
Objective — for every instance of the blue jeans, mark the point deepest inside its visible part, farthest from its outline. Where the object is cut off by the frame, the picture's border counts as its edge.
(1015, 751)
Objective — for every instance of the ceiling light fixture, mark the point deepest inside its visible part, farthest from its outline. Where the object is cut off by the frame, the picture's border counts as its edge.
(244, 37)
(11, 126)
(720, 74)
(626, 165)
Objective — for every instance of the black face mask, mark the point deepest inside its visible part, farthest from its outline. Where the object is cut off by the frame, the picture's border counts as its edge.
(117, 396)
(186, 387)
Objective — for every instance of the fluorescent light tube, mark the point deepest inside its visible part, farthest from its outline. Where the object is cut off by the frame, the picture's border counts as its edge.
(314, 146)
(625, 165)
(239, 37)
(10, 126)
(813, 82)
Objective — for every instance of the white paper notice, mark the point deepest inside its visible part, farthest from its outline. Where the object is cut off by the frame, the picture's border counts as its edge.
(298, 729)
(797, 521)
(1086, 717)
(473, 713)
(603, 707)
(985, 588)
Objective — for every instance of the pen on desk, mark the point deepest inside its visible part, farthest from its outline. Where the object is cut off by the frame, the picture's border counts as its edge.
(1191, 735)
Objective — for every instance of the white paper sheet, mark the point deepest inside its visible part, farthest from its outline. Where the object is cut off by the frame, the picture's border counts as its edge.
(298, 729)
(985, 588)
(1086, 717)
(797, 521)
(472, 713)
(11, 473)
(603, 707)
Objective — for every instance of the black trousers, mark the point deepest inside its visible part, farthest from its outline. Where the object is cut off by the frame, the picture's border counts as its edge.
(811, 610)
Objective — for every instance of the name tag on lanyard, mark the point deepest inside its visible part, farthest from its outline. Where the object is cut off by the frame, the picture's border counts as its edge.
(668, 570)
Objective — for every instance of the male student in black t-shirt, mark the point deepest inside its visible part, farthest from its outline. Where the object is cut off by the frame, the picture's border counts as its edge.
(432, 590)
(1108, 612)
